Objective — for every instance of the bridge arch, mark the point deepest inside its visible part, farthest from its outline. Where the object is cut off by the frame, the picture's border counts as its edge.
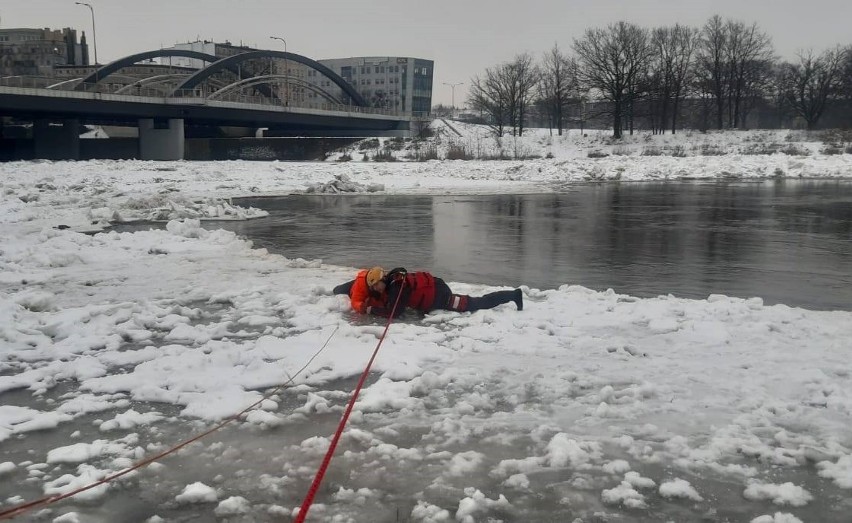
(277, 79)
(149, 81)
(228, 63)
(127, 61)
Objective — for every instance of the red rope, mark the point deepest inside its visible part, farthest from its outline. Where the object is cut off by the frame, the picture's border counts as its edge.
(312, 491)
(47, 500)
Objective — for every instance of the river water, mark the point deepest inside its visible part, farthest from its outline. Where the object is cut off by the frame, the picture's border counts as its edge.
(784, 241)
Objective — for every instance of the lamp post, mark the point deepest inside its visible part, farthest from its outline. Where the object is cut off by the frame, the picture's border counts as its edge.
(94, 33)
(94, 36)
(286, 73)
(453, 87)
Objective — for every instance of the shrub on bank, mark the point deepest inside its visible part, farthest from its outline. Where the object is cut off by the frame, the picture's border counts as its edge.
(385, 155)
(795, 150)
(458, 152)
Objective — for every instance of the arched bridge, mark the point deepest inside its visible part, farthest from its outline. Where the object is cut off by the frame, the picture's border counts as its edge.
(217, 65)
(242, 90)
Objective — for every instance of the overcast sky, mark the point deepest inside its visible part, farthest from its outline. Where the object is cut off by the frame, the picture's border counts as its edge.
(463, 37)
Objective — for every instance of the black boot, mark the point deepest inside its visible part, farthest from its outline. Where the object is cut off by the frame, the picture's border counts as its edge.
(493, 299)
(519, 299)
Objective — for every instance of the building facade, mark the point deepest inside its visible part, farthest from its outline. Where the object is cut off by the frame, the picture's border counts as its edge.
(36, 52)
(396, 83)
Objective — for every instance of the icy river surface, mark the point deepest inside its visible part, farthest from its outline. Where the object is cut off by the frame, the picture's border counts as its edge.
(594, 410)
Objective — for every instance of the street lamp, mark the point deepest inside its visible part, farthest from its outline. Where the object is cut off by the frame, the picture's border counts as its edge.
(453, 87)
(286, 73)
(94, 36)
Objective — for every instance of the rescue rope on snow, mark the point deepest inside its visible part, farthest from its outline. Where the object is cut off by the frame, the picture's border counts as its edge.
(312, 491)
(48, 500)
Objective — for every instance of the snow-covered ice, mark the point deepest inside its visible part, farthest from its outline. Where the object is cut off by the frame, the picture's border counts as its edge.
(599, 402)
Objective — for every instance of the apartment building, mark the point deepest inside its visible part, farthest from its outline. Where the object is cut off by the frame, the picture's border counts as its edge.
(36, 52)
(391, 82)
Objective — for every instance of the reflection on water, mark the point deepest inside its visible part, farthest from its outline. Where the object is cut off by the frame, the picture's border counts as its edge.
(785, 241)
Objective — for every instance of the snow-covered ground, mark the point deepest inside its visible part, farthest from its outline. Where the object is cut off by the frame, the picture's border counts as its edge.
(593, 405)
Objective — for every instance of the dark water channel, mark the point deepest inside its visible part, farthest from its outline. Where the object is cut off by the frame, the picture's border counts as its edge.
(785, 241)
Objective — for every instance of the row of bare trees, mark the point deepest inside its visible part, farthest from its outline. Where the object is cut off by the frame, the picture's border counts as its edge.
(628, 72)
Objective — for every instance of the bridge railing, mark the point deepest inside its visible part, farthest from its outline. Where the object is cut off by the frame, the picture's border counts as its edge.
(273, 102)
(31, 82)
(196, 95)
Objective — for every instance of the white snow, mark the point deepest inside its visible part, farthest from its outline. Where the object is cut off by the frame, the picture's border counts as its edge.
(198, 492)
(232, 506)
(70, 517)
(679, 488)
(476, 503)
(428, 513)
(840, 472)
(624, 494)
(600, 388)
(778, 517)
(783, 494)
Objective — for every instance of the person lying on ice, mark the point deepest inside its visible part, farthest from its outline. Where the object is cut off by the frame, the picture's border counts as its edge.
(424, 292)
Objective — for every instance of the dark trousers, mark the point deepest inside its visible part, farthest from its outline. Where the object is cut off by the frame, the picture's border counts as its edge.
(490, 300)
(445, 299)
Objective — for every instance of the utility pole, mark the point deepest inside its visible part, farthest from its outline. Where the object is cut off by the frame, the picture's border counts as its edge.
(94, 36)
(286, 72)
(453, 87)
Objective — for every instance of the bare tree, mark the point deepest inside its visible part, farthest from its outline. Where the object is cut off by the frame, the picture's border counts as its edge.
(809, 83)
(526, 78)
(612, 60)
(673, 49)
(505, 94)
(557, 86)
(846, 75)
(487, 96)
(735, 66)
(711, 64)
(750, 56)
(518, 80)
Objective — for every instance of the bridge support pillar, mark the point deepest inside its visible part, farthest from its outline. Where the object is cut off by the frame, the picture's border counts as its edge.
(161, 139)
(56, 142)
